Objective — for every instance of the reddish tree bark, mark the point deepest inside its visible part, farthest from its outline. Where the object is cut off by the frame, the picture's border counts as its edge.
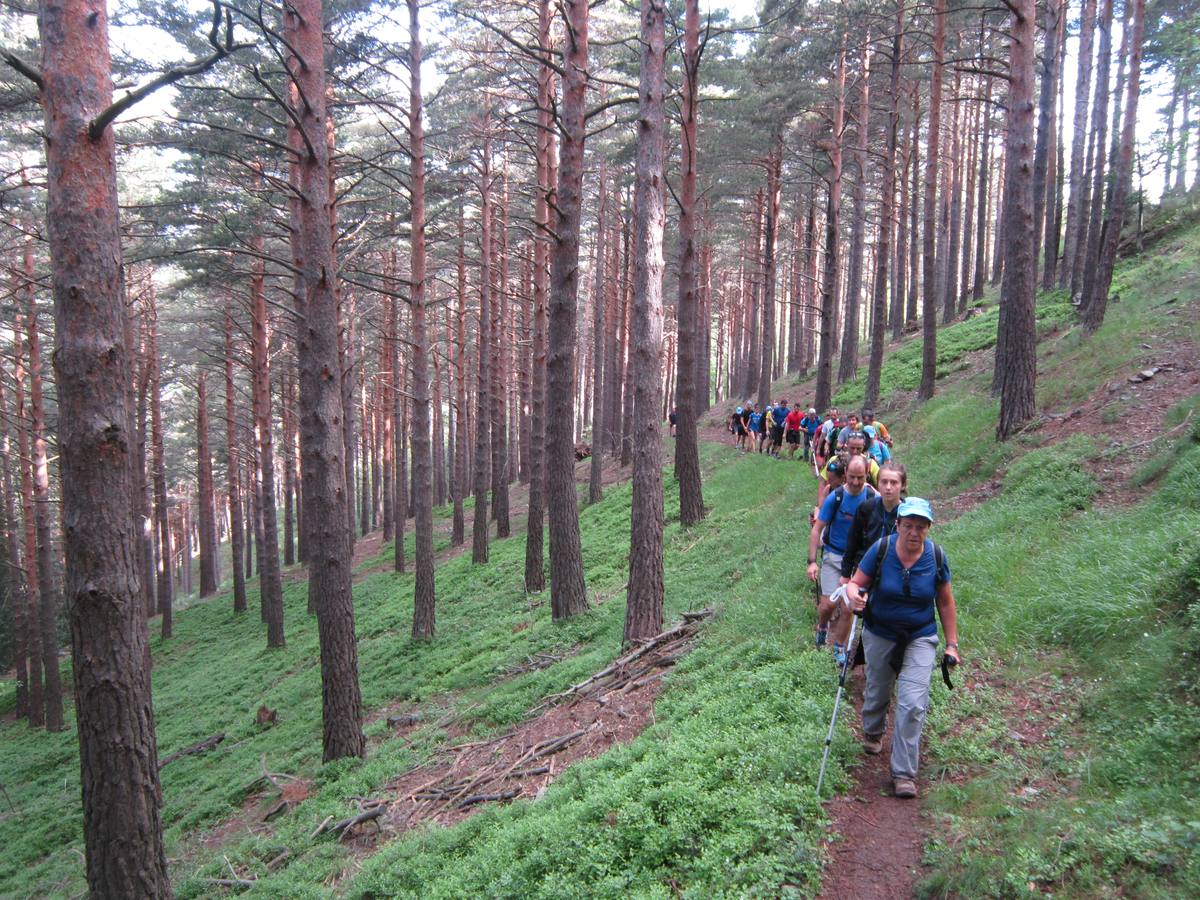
(848, 366)
(269, 580)
(423, 596)
(929, 275)
(12, 575)
(37, 696)
(535, 570)
(644, 605)
(829, 281)
(499, 356)
(1096, 302)
(209, 579)
(568, 596)
(687, 451)
(117, 751)
(985, 168)
(1089, 248)
(595, 488)
(166, 585)
(459, 484)
(769, 266)
(1018, 369)
(883, 240)
(479, 532)
(237, 534)
(1075, 208)
(321, 440)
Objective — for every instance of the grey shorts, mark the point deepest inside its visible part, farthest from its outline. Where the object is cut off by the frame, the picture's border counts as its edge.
(831, 572)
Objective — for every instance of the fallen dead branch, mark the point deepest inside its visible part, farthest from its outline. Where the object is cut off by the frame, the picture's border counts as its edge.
(346, 826)
(199, 747)
(622, 670)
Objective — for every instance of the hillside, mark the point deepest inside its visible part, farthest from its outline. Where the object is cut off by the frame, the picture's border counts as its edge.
(1065, 762)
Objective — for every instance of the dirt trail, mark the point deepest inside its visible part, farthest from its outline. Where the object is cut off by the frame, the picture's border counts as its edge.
(875, 840)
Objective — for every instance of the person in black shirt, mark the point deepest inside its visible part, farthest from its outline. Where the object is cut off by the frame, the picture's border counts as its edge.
(875, 518)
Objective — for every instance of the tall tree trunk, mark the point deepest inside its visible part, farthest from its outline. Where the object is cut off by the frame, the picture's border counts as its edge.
(291, 495)
(848, 367)
(1091, 251)
(829, 281)
(209, 580)
(236, 524)
(985, 168)
(400, 415)
(535, 575)
(914, 218)
(1047, 96)
(48, 593)
(321, 440)
(459, 484)
(166, 586)
(595, 482)
(483, 356)
(1018, 371)
(644, 606)
(117, 751)
(968, 198)
(423, 595)
(929, 275)
(37, 696)
(1097, 302)
(499, 373)
(568, 596)
(11, 578)
(1083, 79)
(269, 580)
(144, 503)
(688, 326)
(954, 180)
(389, 359)
(883, 247)
(770, 237)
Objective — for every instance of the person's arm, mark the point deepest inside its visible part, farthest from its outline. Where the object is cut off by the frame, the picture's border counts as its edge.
(948, 613)
(814, 542)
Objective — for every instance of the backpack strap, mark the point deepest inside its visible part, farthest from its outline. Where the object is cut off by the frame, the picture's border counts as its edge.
(939, 560)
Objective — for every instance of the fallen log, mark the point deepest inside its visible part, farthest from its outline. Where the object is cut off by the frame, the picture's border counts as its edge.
(487, 798)
(199, 747)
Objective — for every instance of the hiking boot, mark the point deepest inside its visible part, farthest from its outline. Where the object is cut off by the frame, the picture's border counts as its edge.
(822, 633)
(905, 788)
(839, 655)
(873, 744)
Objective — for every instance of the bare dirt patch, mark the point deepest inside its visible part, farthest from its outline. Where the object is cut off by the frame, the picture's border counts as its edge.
(875, 838)
(611, 707)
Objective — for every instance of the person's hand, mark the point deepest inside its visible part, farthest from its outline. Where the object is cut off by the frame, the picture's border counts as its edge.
(858, 602)
(813, 570)
(952, 653)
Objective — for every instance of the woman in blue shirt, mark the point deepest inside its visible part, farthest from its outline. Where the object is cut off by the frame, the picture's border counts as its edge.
(900, 636)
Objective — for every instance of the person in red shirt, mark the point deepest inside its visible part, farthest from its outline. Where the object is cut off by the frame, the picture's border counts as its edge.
(792, 430)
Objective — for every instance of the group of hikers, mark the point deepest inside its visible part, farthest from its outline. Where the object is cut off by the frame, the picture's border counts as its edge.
(870, 555)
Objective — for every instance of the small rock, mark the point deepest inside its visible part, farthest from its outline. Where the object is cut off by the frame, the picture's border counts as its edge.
(1147, 347)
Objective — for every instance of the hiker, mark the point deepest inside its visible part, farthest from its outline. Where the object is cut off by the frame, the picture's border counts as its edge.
(824, 446)
(900, 634)
(779, 417)
(851, 427)
(876, 517)
(809, 425)
(876, 449)
(881, 432)
(855, 446)
(744, 424)
(671, 419)
(792, 430)
(837, 512)
(735, 427)
(756, 429)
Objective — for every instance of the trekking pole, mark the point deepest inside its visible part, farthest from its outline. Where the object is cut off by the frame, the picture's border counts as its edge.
(839, 596)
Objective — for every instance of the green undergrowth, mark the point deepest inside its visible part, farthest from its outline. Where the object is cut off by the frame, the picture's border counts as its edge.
(1096, 604)
(723, 781)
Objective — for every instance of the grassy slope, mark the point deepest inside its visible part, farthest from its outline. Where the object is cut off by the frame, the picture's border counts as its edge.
(717, 796)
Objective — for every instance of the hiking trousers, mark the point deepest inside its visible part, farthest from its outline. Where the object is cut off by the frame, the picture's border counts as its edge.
(912, 696)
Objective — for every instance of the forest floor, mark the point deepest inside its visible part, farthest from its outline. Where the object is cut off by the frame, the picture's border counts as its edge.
(1063, 762)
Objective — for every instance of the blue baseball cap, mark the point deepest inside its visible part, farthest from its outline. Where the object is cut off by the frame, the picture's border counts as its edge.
(915, 506)
(739, 409)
